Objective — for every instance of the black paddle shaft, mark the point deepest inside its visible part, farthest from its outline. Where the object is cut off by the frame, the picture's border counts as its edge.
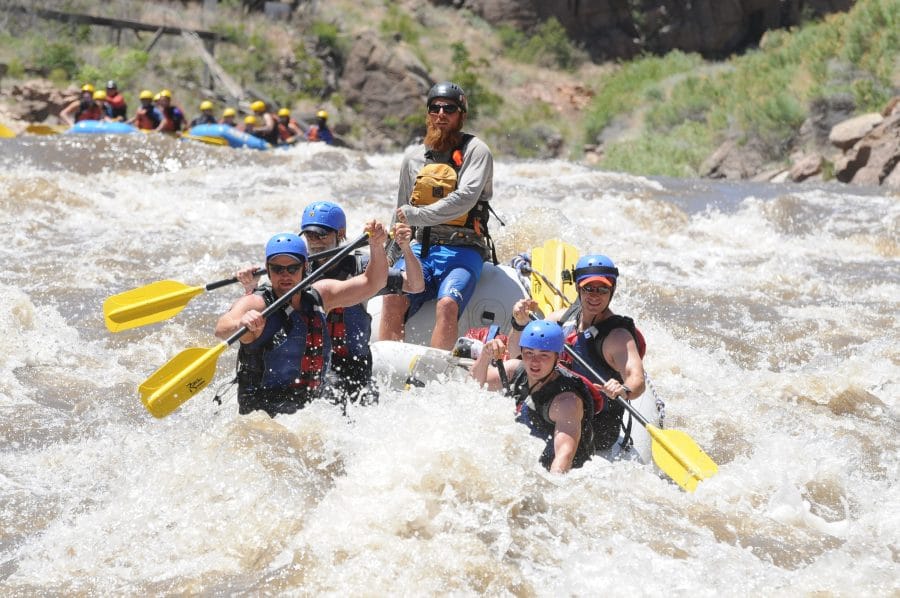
(303, 284)
(314, 257)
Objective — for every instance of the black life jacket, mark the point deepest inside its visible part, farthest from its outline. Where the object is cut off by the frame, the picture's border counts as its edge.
(350, 329)
(588, 344)
(534, 411)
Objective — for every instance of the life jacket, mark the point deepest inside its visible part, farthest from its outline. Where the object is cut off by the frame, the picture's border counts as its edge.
(284, 131)
(117, 106)
(317, 133)
(588, 344)
(204, 119)
(147, 118)
(90, 110)
(270, 136)
(350, 329)
(533, 409)
(435, 181)
(284, 369)
(173, 119)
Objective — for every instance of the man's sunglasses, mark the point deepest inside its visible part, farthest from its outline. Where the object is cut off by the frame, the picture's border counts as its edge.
(279, 269)
(447, 108)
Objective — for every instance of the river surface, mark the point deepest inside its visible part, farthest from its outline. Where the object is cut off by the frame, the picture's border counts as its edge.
(770, 313)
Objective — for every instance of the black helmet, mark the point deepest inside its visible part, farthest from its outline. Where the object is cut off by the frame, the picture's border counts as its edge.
(450, 91)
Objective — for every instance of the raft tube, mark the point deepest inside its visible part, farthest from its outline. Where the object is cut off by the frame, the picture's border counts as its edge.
(231, 135)
(498, 290)
(101, 127)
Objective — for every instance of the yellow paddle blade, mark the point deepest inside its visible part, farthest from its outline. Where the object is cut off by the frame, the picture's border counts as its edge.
(6, 132)
(37, 129)
(548, 262)
(147, 305)
(205, 139)
(680, 458)
(182, 377)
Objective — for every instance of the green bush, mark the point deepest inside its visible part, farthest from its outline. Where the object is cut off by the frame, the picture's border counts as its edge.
(15, 69)
(526, 133)
(678, 153)
(58, 55)
(126, 67)
(550, 46)
(689, 100)
(627, 87)
(399, 23)
(328, 35)
(481, 100)
(89, 74)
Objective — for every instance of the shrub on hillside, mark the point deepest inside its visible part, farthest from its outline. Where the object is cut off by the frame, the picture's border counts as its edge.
(549, 46)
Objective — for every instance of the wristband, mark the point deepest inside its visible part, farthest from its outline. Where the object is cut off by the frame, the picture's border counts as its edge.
(515, 325)
(627, 390)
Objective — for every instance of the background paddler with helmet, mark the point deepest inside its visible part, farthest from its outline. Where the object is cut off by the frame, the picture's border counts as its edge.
(445, 186)
(265, 126)
(206, 116)
(147, 117)
(289, 130)
(320, 131)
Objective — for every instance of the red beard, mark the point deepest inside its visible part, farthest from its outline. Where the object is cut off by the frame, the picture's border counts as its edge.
(441, 141)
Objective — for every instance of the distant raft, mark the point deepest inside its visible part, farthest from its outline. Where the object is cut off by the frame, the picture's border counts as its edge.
(101, 127)
(225, 135)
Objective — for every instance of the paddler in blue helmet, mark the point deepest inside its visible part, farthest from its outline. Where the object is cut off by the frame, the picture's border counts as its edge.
(283, 359)
(555, 404)
(445, 186)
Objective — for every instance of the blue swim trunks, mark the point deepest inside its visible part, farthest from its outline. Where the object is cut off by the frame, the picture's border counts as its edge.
(449, 272)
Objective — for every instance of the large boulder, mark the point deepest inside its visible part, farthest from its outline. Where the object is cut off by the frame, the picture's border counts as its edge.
(845, 134)
(388, 86)
(881, 149)
(733, 161)
(37, 100)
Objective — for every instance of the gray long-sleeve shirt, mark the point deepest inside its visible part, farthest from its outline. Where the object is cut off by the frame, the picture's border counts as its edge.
(475, 182)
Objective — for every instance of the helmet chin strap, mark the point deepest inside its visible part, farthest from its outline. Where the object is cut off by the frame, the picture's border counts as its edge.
(544, 379)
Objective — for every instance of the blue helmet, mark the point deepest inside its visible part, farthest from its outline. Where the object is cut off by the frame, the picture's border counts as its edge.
(595, 268)
(542, 335)
(287, 244)
(323, 217)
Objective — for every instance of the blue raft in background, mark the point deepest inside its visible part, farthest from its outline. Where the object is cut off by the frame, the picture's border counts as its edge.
(224, 134)
(101, 127)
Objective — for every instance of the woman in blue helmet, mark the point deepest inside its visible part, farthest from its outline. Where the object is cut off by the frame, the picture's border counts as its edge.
(610, 343)
(553, 402)
(283, 358)
(323, 226)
